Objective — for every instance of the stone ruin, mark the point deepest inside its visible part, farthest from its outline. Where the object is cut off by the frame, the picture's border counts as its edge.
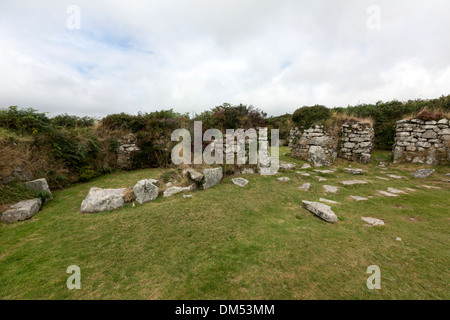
(419, 141)
(322, 147)
(127, 147)
(356, 142)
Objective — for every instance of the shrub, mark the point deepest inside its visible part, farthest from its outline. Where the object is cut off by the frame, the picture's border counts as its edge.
(427, 115)
(307, 116)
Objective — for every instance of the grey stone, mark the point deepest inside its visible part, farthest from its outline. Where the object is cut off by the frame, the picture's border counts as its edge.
(381, 178)
(324, 171)
(286, 165)
(306, 166)
(318, 156)
(21, 211)
(241, 182)
(358, 198)
(328, 201)
(372, 222)
(352, 182)
(354, 171)
(395, 176)
(422, 173)
(212, 177)
(321, 210)
(365, 158)
(331, 189)
(283, 179)
(388, 194)
(40, 185)
(99, 200)
(174, 190)
(194, 175)
(248, 171)
(146, 190)
(396, 191)
(305, 186)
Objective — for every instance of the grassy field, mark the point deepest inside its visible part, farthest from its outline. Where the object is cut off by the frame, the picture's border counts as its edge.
(233, 243)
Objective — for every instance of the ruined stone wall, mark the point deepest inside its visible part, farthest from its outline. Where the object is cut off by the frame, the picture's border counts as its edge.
(127, 147)
(314, 145)
(356, 142)
(419, 141)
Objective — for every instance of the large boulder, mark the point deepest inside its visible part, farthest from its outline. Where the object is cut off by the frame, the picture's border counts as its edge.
(146, 190)
(318, 156)
(321, 210)
(99, 200)
(212, 177)
(22, 210)
(40, 185)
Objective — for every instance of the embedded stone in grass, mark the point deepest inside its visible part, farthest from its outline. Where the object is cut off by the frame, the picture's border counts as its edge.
(22, 210)
(329, 201)
(304, 174)
(286, 165)
(322, 179)
(398, 239)
(410, 189)
(306, 166)
(283, 179)
(388, 194)
(354, 171)
(381, 178)
(99, 200)
(372, 222)
(431, 187)
(365, 158)
(305, 186)
(187, 195)
(395, 176)
(331, 189)
(324, 171)
(358, 198)
(392, 190)
(422, 173)
(241, 182)
(321, 210)
(352, 182)
(146, 190)
(174, 190)
(212, 177)
(40, 185)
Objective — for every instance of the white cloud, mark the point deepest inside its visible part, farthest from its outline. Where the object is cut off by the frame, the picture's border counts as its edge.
(193, 55)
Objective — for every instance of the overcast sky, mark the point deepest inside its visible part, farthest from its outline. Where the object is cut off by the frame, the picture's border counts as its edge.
(192, 55)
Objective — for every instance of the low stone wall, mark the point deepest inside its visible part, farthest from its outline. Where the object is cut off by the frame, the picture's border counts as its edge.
(419, 141)
(127, 147)
(356, 142)
(314, 145)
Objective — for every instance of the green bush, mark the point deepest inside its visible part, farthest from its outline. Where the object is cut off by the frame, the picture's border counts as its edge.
(308, 116)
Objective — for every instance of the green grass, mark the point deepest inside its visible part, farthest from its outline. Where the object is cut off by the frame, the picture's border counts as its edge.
(232, 243)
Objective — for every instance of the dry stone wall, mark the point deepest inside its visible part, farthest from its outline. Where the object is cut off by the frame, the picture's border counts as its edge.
(127, 147)
(419, 141)
(356, 142)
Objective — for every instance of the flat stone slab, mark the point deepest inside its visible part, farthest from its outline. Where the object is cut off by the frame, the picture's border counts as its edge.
(22, 210)
(306, 166)
(372, 222)
(146, 190)
(99, 200)
(410, 189)
(352, 182)
(324, 171)
(328, 201)
(305, 186)
(241, 182)
(286, 165)
(395, 176)
(422, 173)
(387, 194)
(331, 189)
(284, 179)
(381, 178)
(304, 174)
(396, 191)
(174, 190)
(431, 187)
(322, 179)
(358, 198)
(354, 171)
(321, 210)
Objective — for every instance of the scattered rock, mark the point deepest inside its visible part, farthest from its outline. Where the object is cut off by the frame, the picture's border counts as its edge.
(321, 210)
(304, 174)
(329, 201)
(40, 185)
(284, 179)
(286, 165)
(372, 222)
(365, 158)
(422, 173)
(99, 200)
(331, 189)
(21, 210)
(352, 182)
(212, 177)
(388, 194)
(324, 171)
(187, 195)
(174, 190)
(354, 171)
(194, 175)
(395, 176)
(322, 179)
(410, 189)
(381, 178)
(248, 171)
(392, 190)
(146, 190)
(306, 166)
(358, 198)
(398, 239)
(305, 186)
(241, 182)
(431, 187)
